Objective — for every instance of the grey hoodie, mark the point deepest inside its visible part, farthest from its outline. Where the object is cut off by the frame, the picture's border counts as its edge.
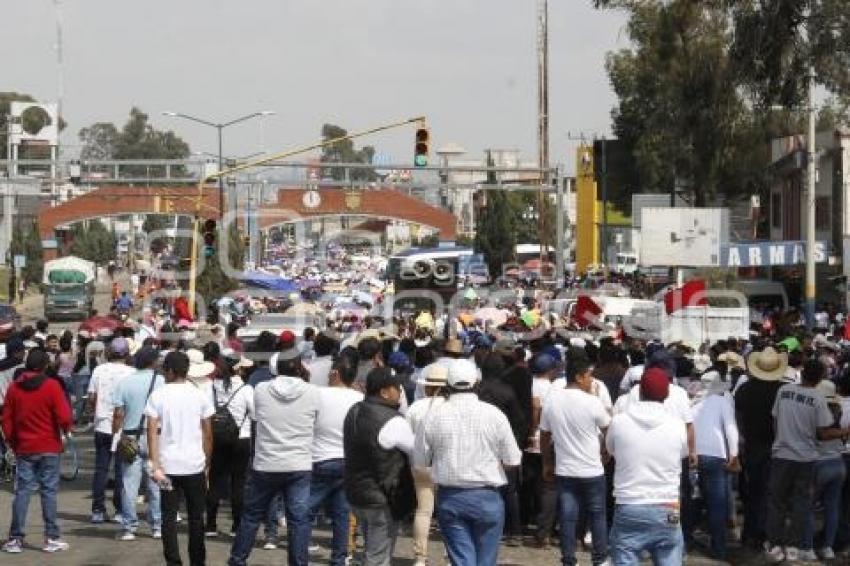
(285, 410)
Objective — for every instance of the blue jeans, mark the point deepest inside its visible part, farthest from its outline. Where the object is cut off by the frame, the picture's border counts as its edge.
(261, 488)
(471, 522)
(586, 494)
(36, 472)
(103, 457)
(714, 485)
(132, 478)
(327, 489)
(654, 528)
(829, 479)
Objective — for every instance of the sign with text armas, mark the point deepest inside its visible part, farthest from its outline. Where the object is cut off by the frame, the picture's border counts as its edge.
(762, 254)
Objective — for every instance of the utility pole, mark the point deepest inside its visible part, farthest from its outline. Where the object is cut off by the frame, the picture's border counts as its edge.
(811, 190)
(543, 124)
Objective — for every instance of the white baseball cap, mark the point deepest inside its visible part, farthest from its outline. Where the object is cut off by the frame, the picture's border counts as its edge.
(462, 374)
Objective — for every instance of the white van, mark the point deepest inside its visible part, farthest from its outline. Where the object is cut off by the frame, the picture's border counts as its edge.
(626, 263)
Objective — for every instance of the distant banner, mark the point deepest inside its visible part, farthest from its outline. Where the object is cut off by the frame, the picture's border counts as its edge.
(762, 254)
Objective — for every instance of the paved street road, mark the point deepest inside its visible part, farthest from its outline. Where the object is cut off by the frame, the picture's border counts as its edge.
(97, 545)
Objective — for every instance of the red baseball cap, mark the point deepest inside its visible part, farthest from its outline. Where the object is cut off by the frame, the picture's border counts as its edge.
(287, 338)
(655, 384)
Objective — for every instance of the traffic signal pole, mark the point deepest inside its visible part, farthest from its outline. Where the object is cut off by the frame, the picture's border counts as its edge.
(221, 173)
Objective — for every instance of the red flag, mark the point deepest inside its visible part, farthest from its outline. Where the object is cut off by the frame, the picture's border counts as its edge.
(691, 294)
(587, 312)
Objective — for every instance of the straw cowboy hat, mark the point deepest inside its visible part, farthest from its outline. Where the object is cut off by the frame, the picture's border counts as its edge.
(198, 368)
(768, 365)
(733, 360)
(436, 376)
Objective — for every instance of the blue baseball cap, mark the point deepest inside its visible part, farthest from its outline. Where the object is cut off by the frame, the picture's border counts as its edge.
(399, 361)
(543, 363)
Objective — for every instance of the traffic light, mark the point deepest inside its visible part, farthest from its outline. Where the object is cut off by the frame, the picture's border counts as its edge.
(209, 237)
(422, 147)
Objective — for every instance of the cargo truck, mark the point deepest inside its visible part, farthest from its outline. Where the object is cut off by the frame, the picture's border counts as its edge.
(68, 288)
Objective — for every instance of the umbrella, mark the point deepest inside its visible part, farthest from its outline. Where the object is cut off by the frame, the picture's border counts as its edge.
(465, 318)
(530, 318)
(492, 314)
(363, 297)
(470, 294)
(304, 308)
(100, 325)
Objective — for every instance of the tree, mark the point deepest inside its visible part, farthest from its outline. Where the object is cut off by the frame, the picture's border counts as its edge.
(695, 88)
(94, 242)
(26, 241)
(212, 282)
(137, 139)
(495, 234)
(345, 152)
(156, 223)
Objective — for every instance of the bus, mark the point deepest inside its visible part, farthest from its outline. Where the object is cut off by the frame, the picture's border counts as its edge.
(436, 270)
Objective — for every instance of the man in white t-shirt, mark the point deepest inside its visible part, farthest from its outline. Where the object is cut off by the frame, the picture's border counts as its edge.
(648, 444)
(319, 365)
(327, 487)
(180, 442)
(104, 380)
(575, 420)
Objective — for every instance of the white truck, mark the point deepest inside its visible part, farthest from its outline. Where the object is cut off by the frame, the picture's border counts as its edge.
(647, 319)
(68, 288)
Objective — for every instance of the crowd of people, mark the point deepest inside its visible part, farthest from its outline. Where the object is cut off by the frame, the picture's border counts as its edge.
(629, 448)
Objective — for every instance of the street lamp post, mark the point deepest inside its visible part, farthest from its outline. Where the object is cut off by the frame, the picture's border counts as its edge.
(219, 126)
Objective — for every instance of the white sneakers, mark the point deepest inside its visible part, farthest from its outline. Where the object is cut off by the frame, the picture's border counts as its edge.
(774, 555)
(55, 545)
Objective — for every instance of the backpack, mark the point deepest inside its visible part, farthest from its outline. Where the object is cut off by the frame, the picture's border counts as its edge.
(224, 427)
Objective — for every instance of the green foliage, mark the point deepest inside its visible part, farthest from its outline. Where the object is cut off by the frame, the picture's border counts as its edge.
(137, 139)
(495, 234)
(26, 241)
(92, 241)
(156, 222)
(212, 282)
(696, 87)
(345, 152)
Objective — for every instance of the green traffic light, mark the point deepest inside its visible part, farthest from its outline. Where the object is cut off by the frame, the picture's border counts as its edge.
(209, 251)
(420, 161)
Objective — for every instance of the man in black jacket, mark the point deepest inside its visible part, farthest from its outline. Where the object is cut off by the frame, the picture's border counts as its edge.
(378, 482)
(498, 387)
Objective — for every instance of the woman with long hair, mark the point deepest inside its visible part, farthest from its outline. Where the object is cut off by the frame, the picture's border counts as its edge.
(230, 457)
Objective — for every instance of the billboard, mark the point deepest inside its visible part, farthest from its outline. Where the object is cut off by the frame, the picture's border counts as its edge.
(683, 237)
(761, 254)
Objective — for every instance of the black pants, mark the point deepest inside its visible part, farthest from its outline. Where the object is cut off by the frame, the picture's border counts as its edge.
(532, 487)
(228, 468)
(193, 488)
(686, 493)
(510, 494)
